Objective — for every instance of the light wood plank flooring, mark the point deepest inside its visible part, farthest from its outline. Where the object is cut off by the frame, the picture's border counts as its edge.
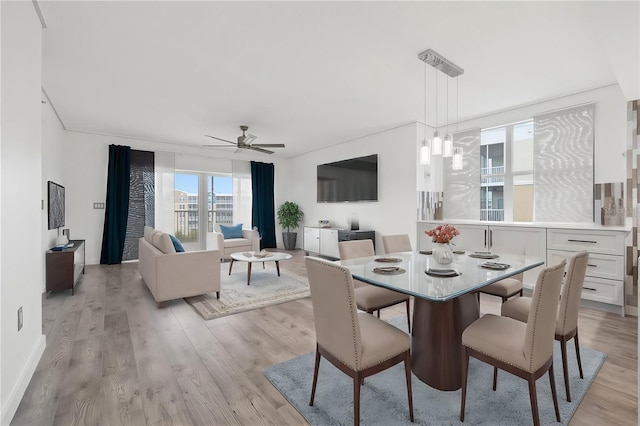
(113, 357)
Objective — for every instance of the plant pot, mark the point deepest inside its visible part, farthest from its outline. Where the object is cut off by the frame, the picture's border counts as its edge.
(289, 240)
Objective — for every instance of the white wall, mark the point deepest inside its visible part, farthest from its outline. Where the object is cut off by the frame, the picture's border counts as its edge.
(395, 210)
(86, 181)
(53, 165)
(21, 253)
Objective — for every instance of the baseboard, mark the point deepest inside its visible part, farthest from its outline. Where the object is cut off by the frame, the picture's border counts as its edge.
(13, 401)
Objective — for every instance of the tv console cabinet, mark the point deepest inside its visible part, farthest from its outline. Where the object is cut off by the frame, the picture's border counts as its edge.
(64, 267)
(324, 241)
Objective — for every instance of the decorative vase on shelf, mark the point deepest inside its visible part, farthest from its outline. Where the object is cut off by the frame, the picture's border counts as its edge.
(443, 253)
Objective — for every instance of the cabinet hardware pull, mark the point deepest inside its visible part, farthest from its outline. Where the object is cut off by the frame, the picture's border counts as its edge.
(490, 238)
(485, 238)
(589, 288)
(583, 241)
(592, 265)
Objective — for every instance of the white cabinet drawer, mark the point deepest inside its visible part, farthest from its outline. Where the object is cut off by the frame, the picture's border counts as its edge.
(600, 290)
(604, 242)
(599, 265)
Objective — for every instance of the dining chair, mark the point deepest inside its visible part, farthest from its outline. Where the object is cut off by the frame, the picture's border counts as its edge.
(396, 243)
(358, 344)
(504, 288)
(371, 298)
(522, 349)
(567, 315)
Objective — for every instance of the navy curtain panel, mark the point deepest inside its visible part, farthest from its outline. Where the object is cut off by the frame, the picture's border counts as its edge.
(262, 205)
(117, 206)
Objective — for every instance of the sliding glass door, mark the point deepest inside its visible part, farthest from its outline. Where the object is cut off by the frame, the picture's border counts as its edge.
(202, 200)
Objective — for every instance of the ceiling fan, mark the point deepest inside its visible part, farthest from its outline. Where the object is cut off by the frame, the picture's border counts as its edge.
(245, 141)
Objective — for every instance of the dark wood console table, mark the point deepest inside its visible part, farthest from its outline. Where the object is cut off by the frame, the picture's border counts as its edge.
(64, 267)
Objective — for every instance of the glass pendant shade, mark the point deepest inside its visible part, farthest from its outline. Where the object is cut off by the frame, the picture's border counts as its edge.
(425, 153)
(456, 161)
(447, 146)
(436, 144)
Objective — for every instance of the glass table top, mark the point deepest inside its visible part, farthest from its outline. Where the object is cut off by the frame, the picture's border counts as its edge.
(410, 277)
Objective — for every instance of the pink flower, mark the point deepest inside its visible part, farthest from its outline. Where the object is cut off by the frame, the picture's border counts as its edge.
(442, 234)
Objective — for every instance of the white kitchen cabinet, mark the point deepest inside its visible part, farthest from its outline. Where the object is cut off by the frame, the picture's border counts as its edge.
(528, 240)
(604, 278)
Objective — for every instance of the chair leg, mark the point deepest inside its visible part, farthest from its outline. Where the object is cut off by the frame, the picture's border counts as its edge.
(575, 338)
(315, 376)
(408, 317)
(356, 399)
(407, 371)
(565, 367)
(218, 294)
(378, 313)
(534, 400)
(495, 378)
(521, 293)
(554, 394)
(465, 366)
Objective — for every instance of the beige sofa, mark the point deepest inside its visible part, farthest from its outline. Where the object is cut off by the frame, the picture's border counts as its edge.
(170, 275)
(250, 241)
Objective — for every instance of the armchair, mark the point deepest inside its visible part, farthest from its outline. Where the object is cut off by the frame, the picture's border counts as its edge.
(250, 241)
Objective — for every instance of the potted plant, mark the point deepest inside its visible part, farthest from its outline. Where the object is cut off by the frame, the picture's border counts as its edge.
(289, 216)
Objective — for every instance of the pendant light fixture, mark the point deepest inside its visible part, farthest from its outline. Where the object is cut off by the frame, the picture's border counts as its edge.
(440, 63)
(447, 144)
(425, 145)
(436, 142)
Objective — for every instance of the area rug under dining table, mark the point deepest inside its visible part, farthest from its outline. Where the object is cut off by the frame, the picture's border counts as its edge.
(266, 289)
(384, 395)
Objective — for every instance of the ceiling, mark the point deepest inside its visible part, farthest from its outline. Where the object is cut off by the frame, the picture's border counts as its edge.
(315, 74)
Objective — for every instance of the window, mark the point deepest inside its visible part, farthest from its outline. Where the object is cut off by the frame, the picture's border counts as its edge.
(506, 173)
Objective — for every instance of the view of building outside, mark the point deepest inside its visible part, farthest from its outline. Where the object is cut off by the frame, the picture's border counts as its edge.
(187, 205)
(506, 173)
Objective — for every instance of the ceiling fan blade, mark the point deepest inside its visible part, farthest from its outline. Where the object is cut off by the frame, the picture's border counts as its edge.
(223, 140)
(269, 145)
(266, 151)
(217, 146)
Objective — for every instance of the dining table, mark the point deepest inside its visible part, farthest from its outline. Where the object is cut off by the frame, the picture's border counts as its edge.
(445, 301)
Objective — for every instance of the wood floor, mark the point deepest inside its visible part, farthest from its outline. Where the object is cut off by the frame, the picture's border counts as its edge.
(113, 358)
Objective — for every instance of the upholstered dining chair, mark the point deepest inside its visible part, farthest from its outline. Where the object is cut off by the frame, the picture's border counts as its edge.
(396, 243)
(567, 315)
(522, 349)
(371, 298)
(504, 288)
(358, 344)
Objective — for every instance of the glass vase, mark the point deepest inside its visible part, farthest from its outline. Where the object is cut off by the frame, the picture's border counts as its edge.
(443, 254)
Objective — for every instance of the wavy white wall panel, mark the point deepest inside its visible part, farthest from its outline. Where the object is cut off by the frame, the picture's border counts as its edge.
(462, 187)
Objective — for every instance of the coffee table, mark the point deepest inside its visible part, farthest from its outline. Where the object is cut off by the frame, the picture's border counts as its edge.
(251, 259)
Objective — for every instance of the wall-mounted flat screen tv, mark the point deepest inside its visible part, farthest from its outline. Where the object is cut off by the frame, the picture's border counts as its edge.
(351, 180)
(56, 205)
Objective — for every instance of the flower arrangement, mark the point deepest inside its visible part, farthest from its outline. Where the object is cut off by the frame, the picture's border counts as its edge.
(442, 234)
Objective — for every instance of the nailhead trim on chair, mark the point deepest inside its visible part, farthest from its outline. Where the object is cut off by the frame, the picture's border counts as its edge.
(353, 322)
(355, 345)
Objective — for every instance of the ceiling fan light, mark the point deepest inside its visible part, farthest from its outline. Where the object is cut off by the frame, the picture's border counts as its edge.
(436, 144)
(447, 146)
(249, 139)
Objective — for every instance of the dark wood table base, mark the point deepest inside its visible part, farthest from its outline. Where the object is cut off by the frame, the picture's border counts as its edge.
(249, 269)
(436, 348)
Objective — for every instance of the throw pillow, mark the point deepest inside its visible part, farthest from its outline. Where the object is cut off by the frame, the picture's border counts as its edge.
(177, 244)
(231, 231)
